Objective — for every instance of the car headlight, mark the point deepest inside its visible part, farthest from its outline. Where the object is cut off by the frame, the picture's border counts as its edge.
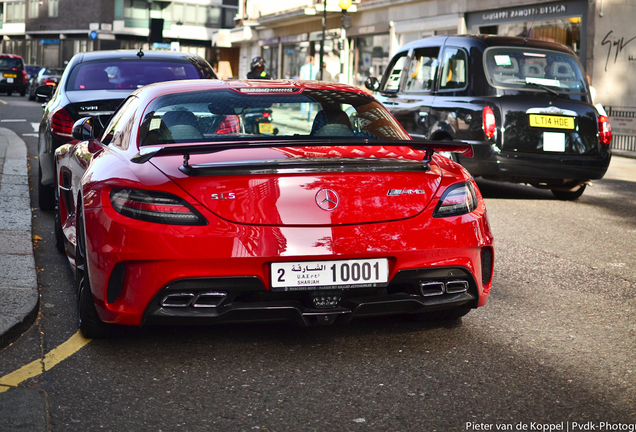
(458, 199)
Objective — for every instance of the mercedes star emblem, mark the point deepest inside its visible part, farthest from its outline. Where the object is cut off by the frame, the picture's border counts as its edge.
(327, 199)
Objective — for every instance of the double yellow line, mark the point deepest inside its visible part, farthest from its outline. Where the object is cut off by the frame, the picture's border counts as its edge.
(37, 367)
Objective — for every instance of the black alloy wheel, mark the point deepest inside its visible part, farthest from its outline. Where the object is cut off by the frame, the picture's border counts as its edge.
(46, 193)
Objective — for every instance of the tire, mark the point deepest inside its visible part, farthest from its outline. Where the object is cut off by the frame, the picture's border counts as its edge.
(89, 323)
(46, 194)
(9, 93)
(569, 195)
(442, 315)
(23, 93)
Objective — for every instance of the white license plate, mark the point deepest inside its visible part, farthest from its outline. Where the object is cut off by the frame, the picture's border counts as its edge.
(554, 142)
(10, 80)
(313, 275)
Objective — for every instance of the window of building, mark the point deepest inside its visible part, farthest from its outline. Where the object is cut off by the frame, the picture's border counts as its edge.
(136, 9)
(54, 6)
(14, 11)
(34, 6)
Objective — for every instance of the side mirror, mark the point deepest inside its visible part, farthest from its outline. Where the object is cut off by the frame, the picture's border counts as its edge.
(372, 84)
(44, 91)
(83, 129)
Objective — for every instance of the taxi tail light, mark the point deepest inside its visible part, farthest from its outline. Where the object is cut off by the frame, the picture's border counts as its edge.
(604, 130)
(489, 122)
(158, 207)
(62, 124)
(25, 77)
(457, 200)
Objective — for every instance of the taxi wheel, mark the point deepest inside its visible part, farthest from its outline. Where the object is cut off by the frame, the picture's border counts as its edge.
(569, 195)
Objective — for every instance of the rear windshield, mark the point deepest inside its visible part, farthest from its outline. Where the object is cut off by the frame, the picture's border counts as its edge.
(6, 62)
(128, 74)
(224, 114)
(519, 68)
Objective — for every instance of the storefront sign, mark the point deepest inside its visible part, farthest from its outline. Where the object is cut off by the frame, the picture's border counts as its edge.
(524, 12)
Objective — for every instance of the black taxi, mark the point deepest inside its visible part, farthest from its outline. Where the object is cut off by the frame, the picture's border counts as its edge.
(523, 104)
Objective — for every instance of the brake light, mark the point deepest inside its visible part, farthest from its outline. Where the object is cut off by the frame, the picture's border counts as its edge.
(25, 77)
(457, 200)
(159, 207)
(62, 124)
(604, 130)
(230, 125)
(489, 123)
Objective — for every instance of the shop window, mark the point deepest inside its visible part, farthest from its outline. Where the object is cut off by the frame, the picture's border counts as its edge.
(453, 69)
(422, 69)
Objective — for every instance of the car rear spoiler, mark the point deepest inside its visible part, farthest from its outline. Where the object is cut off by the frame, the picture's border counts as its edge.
(428, 147)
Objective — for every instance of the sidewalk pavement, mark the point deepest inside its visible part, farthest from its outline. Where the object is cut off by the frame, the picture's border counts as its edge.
(19, 295)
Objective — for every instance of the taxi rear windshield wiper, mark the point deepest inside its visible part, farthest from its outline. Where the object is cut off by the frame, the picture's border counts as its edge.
(543, 87)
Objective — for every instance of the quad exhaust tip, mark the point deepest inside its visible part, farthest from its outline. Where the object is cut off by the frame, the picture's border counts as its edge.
(437, 288)
(200, 300)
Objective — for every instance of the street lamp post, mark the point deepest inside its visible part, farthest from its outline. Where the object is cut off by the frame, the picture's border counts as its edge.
(324, 30)
(344, 54)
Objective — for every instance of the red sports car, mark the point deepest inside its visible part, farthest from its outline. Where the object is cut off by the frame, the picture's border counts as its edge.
(178, 214)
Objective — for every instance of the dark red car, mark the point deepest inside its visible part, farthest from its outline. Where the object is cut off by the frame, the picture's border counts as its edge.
(177, 214)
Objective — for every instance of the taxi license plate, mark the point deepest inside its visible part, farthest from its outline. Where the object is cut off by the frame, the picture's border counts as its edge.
(554, 122)
(312, 275)
(267, 128)
(10, 75)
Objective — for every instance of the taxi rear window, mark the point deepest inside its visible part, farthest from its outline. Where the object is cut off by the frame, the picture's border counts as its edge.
(531, 69)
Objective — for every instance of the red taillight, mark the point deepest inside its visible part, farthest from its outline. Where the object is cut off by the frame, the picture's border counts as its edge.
(62, 124)
(489, 123)
(49, 81)
(604, 130)
(156, 207)
(25, 77)
(230, 125)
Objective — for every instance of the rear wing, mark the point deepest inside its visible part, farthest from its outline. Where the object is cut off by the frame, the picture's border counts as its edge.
(428, 147)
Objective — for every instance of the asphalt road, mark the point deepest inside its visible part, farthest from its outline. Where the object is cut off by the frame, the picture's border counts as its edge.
(552, 350)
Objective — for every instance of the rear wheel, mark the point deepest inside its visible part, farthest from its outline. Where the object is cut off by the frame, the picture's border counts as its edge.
(569, 195)
(46, 194)
(89, 323)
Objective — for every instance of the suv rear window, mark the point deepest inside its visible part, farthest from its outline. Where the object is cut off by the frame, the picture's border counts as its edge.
(128, 74)
(516, 68)
(7, 62)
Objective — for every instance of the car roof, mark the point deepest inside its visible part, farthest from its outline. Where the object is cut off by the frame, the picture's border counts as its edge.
(133, 54)
(10, 56)
(155, 90)
(486, 41)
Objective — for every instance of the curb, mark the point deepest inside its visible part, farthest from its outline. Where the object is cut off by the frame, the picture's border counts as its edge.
(18, 276)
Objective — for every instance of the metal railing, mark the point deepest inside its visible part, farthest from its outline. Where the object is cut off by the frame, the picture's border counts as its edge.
(623, 121)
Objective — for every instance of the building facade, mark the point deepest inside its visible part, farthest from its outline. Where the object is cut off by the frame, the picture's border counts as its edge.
(352, 46)
(50, 32)
(600, 32)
